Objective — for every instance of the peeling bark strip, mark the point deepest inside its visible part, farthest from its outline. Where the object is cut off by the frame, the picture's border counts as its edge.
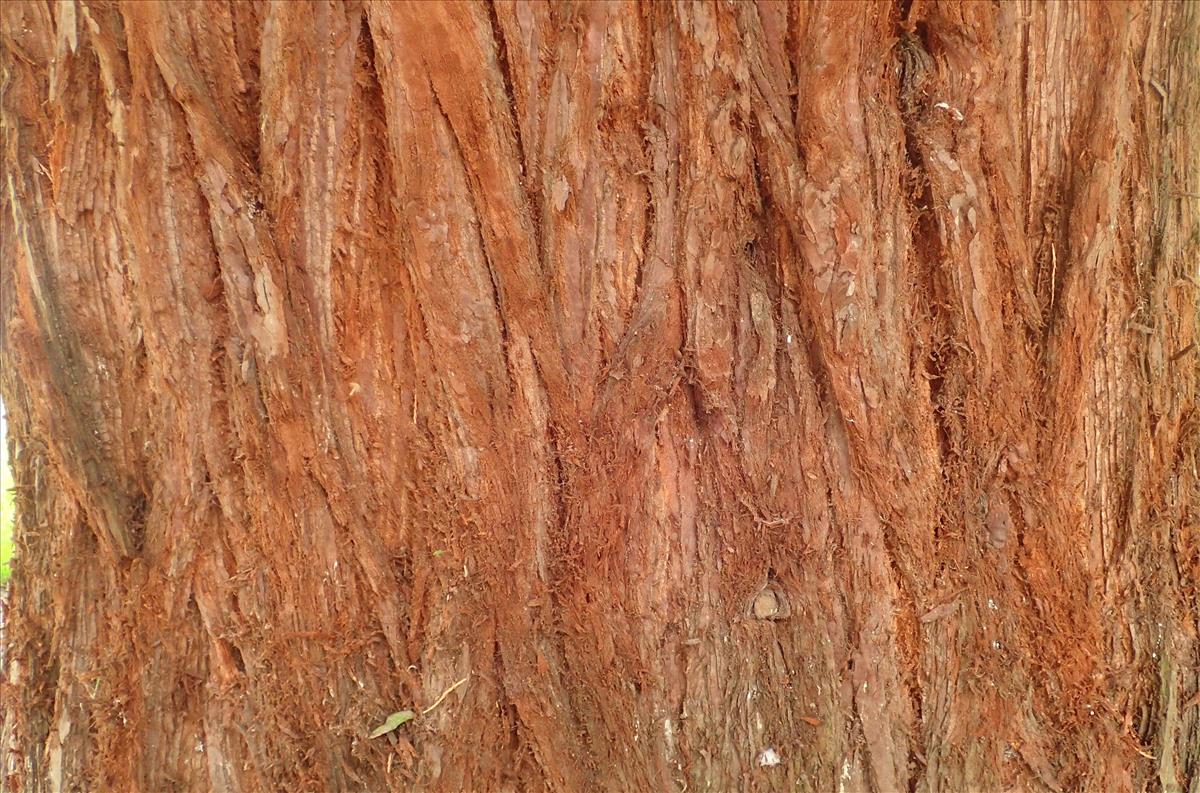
(739, 396)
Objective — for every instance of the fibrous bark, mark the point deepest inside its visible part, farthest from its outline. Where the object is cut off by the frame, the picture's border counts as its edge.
(693, 379)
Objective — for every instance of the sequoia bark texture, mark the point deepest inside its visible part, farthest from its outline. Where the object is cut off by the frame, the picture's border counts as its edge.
(692, 379)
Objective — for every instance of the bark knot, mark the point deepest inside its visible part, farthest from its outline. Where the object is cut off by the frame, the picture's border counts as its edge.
(770, 604)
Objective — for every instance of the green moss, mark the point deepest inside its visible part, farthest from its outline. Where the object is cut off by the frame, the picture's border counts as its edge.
(8, 510)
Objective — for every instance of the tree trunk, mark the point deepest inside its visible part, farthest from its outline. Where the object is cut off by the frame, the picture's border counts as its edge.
(736, 396)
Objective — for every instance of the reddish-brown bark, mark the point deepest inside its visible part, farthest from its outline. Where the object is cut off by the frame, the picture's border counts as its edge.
(692, 379)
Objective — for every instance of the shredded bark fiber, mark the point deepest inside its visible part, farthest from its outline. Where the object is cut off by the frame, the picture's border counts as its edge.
(739, 396)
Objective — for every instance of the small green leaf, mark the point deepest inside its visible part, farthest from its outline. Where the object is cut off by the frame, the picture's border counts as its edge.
(438, 552)
(392, 722)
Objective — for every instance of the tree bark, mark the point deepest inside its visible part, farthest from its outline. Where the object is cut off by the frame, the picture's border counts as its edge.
(693, 380)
